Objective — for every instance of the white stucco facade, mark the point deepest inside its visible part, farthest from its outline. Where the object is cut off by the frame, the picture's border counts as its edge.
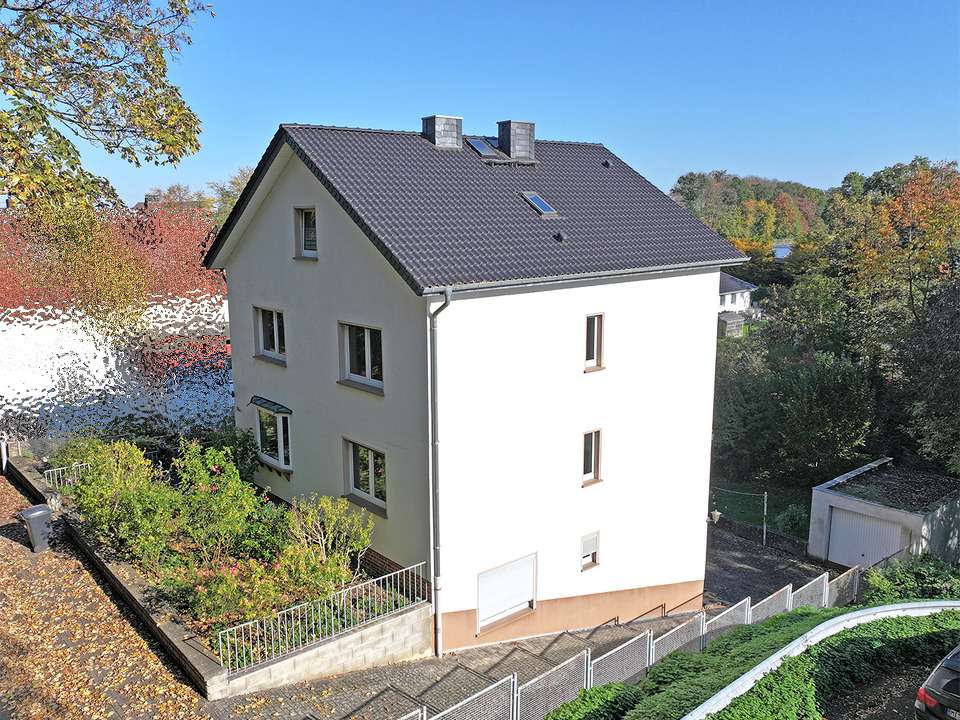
(514, 402)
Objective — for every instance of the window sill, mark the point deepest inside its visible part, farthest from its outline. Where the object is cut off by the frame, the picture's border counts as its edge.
(506, 620)
(367, 504)
(592, 481)
(372, 389)
(589, 566)
(272, 465)
(595, 368)
(271, 360)
(308, 258)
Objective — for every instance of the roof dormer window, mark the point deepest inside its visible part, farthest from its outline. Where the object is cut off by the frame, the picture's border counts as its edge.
(539, 204)
(483, 147)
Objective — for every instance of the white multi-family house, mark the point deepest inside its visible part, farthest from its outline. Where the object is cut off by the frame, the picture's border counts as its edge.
(454, 332)
(734, 294)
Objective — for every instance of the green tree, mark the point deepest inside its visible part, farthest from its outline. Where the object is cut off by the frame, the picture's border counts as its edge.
(96, 69)
(930, 359)
(825, 406)
(226, 194)
(809, 315)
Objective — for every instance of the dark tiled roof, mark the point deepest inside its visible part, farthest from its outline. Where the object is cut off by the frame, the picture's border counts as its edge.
(449, 217)
(730, 284)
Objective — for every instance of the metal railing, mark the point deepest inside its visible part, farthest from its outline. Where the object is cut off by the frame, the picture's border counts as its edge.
(62, 477)
(288, 631)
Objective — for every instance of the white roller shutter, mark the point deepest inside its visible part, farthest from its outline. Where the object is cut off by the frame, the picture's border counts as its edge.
(859, 539)
(506, 589)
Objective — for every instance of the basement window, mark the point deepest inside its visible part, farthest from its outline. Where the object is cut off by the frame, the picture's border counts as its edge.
(539, 204)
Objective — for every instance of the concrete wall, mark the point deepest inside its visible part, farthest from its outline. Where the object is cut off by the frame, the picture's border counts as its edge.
(348, 282)
(405, 636)
(515, 402)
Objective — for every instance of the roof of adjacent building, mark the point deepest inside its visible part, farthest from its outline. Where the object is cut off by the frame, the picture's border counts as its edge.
(730, 284)
(449, 217)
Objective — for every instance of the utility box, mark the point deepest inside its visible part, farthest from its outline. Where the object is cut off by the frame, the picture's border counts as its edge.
(39, 526)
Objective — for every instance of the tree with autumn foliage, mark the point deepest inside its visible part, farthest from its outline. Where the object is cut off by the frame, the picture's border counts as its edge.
(96, 69)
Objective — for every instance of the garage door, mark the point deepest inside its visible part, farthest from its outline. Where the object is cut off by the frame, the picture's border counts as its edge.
(506, 590)
(858, 539)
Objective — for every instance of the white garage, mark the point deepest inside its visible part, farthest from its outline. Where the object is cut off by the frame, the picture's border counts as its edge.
(878, 511)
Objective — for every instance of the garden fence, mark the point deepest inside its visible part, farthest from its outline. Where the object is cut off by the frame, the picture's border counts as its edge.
(625, 662)
(555, 687)
(288, 631)
(493, 703)
(814, 594)
(730, 618)
(62, 477)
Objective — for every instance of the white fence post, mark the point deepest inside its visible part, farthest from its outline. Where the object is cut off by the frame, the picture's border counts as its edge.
(703, 630)
(790, 597)
(3, 456)
(588, 672)
(749, 613)
(515, 698)
(826, 589)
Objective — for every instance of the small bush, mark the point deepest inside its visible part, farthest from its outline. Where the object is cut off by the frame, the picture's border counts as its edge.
(914, 578)
(330, 528)
(604, 702)
(795, 521)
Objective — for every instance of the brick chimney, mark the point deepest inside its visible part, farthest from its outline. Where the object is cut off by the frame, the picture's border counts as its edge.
(444, 131)
(516, 139)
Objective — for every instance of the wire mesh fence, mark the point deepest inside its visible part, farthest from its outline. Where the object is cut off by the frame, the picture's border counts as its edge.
(288, 631)
(768, 607)
(730, 618)
(63, 477)
(624, 663)
(555, 687)
(843, 588)
(683, 637)
(813, 594)
(492, 703)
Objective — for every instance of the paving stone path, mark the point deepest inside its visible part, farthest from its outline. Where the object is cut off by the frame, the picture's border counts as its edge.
(70, 649)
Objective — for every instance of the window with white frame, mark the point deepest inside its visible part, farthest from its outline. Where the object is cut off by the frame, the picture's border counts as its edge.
(591, 456)
(362, 355)
(271, 339)
(367, 470)
(589, 551)
(594, 358)
(273, 432)
(306, 232)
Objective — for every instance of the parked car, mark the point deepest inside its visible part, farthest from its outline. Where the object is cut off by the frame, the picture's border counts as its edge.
(939, 696)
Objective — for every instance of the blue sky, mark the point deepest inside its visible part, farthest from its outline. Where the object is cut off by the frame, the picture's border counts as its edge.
(803, 91)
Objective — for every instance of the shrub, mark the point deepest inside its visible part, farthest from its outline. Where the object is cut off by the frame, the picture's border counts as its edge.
(239, 441)
(604, 702)
(217, 504)
(795, 520)
(80, 450)
(123, 499)
(914, 578)
(331, 527)
(803, 685)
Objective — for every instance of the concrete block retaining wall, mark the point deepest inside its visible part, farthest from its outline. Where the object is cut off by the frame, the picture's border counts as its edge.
(404, 636)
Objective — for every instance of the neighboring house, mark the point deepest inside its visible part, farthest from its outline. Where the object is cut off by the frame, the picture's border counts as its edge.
(454, 333)
(734, 294)
(878, 511)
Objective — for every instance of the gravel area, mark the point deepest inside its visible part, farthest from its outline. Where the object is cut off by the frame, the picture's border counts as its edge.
(737, 568)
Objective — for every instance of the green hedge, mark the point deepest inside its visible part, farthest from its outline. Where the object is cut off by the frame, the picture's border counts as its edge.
(604, 702)
(682, 680)
(802, 686)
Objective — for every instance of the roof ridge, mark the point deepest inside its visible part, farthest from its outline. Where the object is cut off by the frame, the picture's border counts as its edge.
(348, 129)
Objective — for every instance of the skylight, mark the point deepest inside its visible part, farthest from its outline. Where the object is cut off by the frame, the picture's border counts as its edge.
(482, 147)
(542, 206)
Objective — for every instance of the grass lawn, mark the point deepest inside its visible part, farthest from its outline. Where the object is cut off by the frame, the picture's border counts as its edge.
(749, 507)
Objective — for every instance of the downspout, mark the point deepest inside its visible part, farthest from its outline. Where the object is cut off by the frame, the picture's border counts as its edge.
(435, 472)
